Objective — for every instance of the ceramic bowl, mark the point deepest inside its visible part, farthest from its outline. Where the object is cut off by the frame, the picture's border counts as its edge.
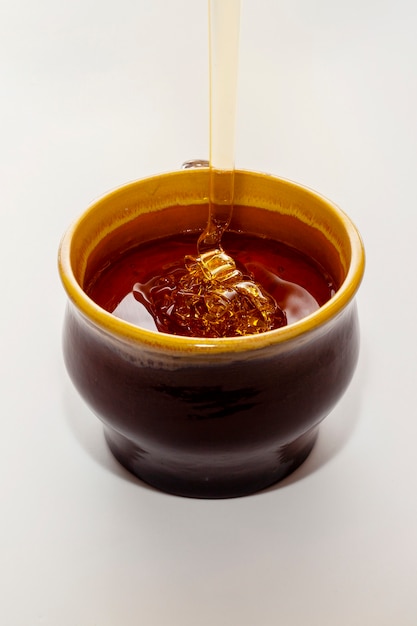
(212, 418)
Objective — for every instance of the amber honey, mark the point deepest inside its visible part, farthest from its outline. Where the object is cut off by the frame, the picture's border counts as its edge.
(144, 285)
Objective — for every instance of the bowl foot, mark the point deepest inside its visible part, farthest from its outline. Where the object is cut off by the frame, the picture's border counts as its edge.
(211, 476)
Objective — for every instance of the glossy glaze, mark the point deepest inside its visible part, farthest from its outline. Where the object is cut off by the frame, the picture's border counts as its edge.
(214, 418)
(212, 429)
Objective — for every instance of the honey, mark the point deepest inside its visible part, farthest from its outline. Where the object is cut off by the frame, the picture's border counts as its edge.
(161, 285)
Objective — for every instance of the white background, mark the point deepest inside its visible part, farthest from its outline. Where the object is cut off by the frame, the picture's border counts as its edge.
(95, 94)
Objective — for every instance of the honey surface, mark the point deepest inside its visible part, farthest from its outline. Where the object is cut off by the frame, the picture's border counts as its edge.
(163, 286)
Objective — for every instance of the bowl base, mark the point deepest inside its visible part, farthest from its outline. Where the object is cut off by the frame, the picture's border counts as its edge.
(211, 477)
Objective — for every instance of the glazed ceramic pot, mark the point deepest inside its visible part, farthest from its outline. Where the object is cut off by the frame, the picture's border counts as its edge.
(200, 417)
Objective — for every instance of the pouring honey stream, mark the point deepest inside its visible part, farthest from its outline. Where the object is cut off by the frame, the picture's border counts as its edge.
(214, 297)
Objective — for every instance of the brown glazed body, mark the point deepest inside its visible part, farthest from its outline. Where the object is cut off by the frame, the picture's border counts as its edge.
(212, 418)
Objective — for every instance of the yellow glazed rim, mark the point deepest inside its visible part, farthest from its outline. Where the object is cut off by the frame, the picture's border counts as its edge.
(252, 185)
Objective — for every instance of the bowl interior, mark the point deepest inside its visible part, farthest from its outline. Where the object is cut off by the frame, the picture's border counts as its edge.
(178, 202)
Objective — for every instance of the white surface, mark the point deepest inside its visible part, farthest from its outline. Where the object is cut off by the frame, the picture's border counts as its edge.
(98, 93)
